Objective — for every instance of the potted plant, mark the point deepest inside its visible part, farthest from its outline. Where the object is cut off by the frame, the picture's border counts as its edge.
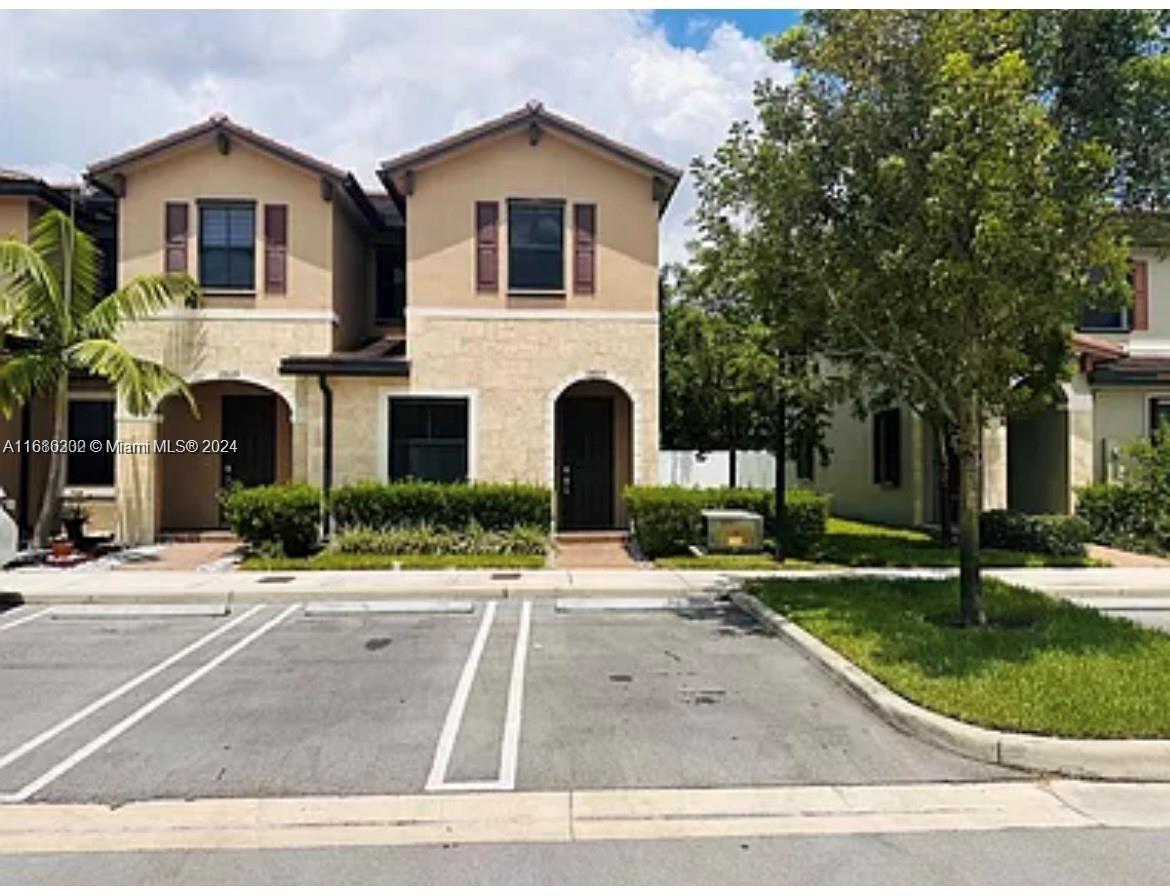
(73, 518)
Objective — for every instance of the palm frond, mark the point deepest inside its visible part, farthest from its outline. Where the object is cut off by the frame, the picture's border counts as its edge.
(24, 376)
(72, 256)
(140, 298)
(30, 296)
(140, 383)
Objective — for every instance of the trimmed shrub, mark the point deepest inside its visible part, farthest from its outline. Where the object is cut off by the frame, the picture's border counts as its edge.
(667, 519)
(427, 540)
(283, 519)
(1062, 536)
(1124, 516)
(390, 505)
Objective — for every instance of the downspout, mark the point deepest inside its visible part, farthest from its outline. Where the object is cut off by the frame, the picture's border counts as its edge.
(23, 487)
(327, 449)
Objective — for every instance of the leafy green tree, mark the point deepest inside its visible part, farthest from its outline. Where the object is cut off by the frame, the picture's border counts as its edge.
(965, 234)
(716, 373)
(56, 321)
(761, 220)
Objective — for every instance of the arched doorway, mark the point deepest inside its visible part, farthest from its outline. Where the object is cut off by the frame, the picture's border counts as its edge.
(593, 456)
(255, 420)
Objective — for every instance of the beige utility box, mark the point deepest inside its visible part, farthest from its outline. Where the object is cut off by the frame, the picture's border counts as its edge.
(733, 530)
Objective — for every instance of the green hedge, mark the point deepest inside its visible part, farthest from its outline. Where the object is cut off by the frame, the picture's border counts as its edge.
(280, 519)
(382, 505)
(668, 519)
(1125, 517)
(426, 540)
(1062, 536)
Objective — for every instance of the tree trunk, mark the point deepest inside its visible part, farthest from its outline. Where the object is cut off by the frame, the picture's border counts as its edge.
(946, 528)
(970, 504)
(731, 470)
(781, 448)
(55, 480)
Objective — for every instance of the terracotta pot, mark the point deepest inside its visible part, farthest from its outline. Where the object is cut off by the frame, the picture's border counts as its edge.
(61, 548)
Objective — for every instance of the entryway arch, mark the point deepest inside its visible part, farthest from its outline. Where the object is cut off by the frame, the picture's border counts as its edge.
(593, 454)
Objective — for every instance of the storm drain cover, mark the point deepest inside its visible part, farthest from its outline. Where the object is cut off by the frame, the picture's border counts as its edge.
(505, 576)
(275, 580)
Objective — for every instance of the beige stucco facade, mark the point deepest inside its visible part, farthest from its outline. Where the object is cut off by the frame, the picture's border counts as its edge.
(511, 357)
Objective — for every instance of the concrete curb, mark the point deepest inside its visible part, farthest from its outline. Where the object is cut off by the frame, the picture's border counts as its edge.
(1115, 760)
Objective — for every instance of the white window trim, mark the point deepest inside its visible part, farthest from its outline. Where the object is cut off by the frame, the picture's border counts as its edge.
(79, 492)
(384, 396)
(1147, 420)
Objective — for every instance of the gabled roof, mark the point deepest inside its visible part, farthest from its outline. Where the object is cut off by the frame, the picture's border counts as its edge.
(531, 114)
(19, 183)
(220, 124)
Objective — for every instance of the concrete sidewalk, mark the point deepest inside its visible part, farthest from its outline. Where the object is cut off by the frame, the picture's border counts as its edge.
(87, 585)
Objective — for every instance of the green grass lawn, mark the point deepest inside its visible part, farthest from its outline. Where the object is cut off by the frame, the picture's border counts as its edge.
(853, 543)
(329, 560)
(1041, 665)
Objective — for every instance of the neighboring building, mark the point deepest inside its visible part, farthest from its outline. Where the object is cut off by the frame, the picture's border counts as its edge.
(886, 467)
(492, 316)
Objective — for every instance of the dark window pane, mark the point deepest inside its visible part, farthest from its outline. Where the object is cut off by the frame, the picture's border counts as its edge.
(227, 246)
(1094, 319)
(91, 419)
(536, 247)
(428, 439)
(390, 280)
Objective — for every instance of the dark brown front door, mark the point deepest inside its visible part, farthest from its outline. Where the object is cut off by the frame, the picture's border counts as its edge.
(585, 478)
(249, 421)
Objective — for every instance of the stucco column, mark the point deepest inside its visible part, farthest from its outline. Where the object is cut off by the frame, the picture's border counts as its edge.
(995, 472)
(1080, 436)
(137, 479)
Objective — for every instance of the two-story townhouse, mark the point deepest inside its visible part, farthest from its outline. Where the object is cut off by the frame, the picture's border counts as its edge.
(23, 199)
(886, 467)
(492, 316)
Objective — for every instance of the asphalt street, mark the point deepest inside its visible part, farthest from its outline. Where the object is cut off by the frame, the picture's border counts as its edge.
(139, 705)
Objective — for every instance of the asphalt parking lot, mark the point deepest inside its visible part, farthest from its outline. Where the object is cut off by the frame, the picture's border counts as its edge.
(360, 699)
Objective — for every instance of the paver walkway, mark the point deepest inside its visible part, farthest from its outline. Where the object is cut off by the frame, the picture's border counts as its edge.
(601, 551)
(1117, 557)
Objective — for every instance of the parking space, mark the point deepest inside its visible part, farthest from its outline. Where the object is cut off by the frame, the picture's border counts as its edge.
(288, 700)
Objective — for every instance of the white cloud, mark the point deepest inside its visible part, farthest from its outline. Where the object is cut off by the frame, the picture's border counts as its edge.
(357, 87)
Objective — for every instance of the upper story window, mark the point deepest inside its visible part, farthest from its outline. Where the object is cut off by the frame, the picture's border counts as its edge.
(1122, 320)
(227, 245)
(390, 284)
(536, 245)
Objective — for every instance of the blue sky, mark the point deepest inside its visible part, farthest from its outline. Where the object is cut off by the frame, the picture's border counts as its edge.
(691, 27)
(356, 86)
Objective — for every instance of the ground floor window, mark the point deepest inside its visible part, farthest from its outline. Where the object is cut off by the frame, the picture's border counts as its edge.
(887, 448)
(428, 439)
(1159, 413)
(91, 421)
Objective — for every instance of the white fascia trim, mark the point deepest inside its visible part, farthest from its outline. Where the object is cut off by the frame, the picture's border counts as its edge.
(529, 314)
(259, 314)
(409, 391)
(1148, 347)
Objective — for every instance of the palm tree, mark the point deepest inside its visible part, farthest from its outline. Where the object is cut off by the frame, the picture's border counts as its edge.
(55, 321)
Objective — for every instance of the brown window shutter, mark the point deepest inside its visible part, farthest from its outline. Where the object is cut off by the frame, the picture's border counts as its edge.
(1140, 275)
(275, 248)
(175, 254)
(487, 246)
(584, 248)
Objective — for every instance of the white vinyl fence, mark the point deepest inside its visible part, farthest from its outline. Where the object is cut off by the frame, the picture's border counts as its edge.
(753, 468)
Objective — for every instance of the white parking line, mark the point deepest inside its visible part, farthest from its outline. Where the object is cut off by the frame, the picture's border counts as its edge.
(510, 745)
(86, 711)
(510, 749)
(142, 712)
(459, 702)
(28, 617)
